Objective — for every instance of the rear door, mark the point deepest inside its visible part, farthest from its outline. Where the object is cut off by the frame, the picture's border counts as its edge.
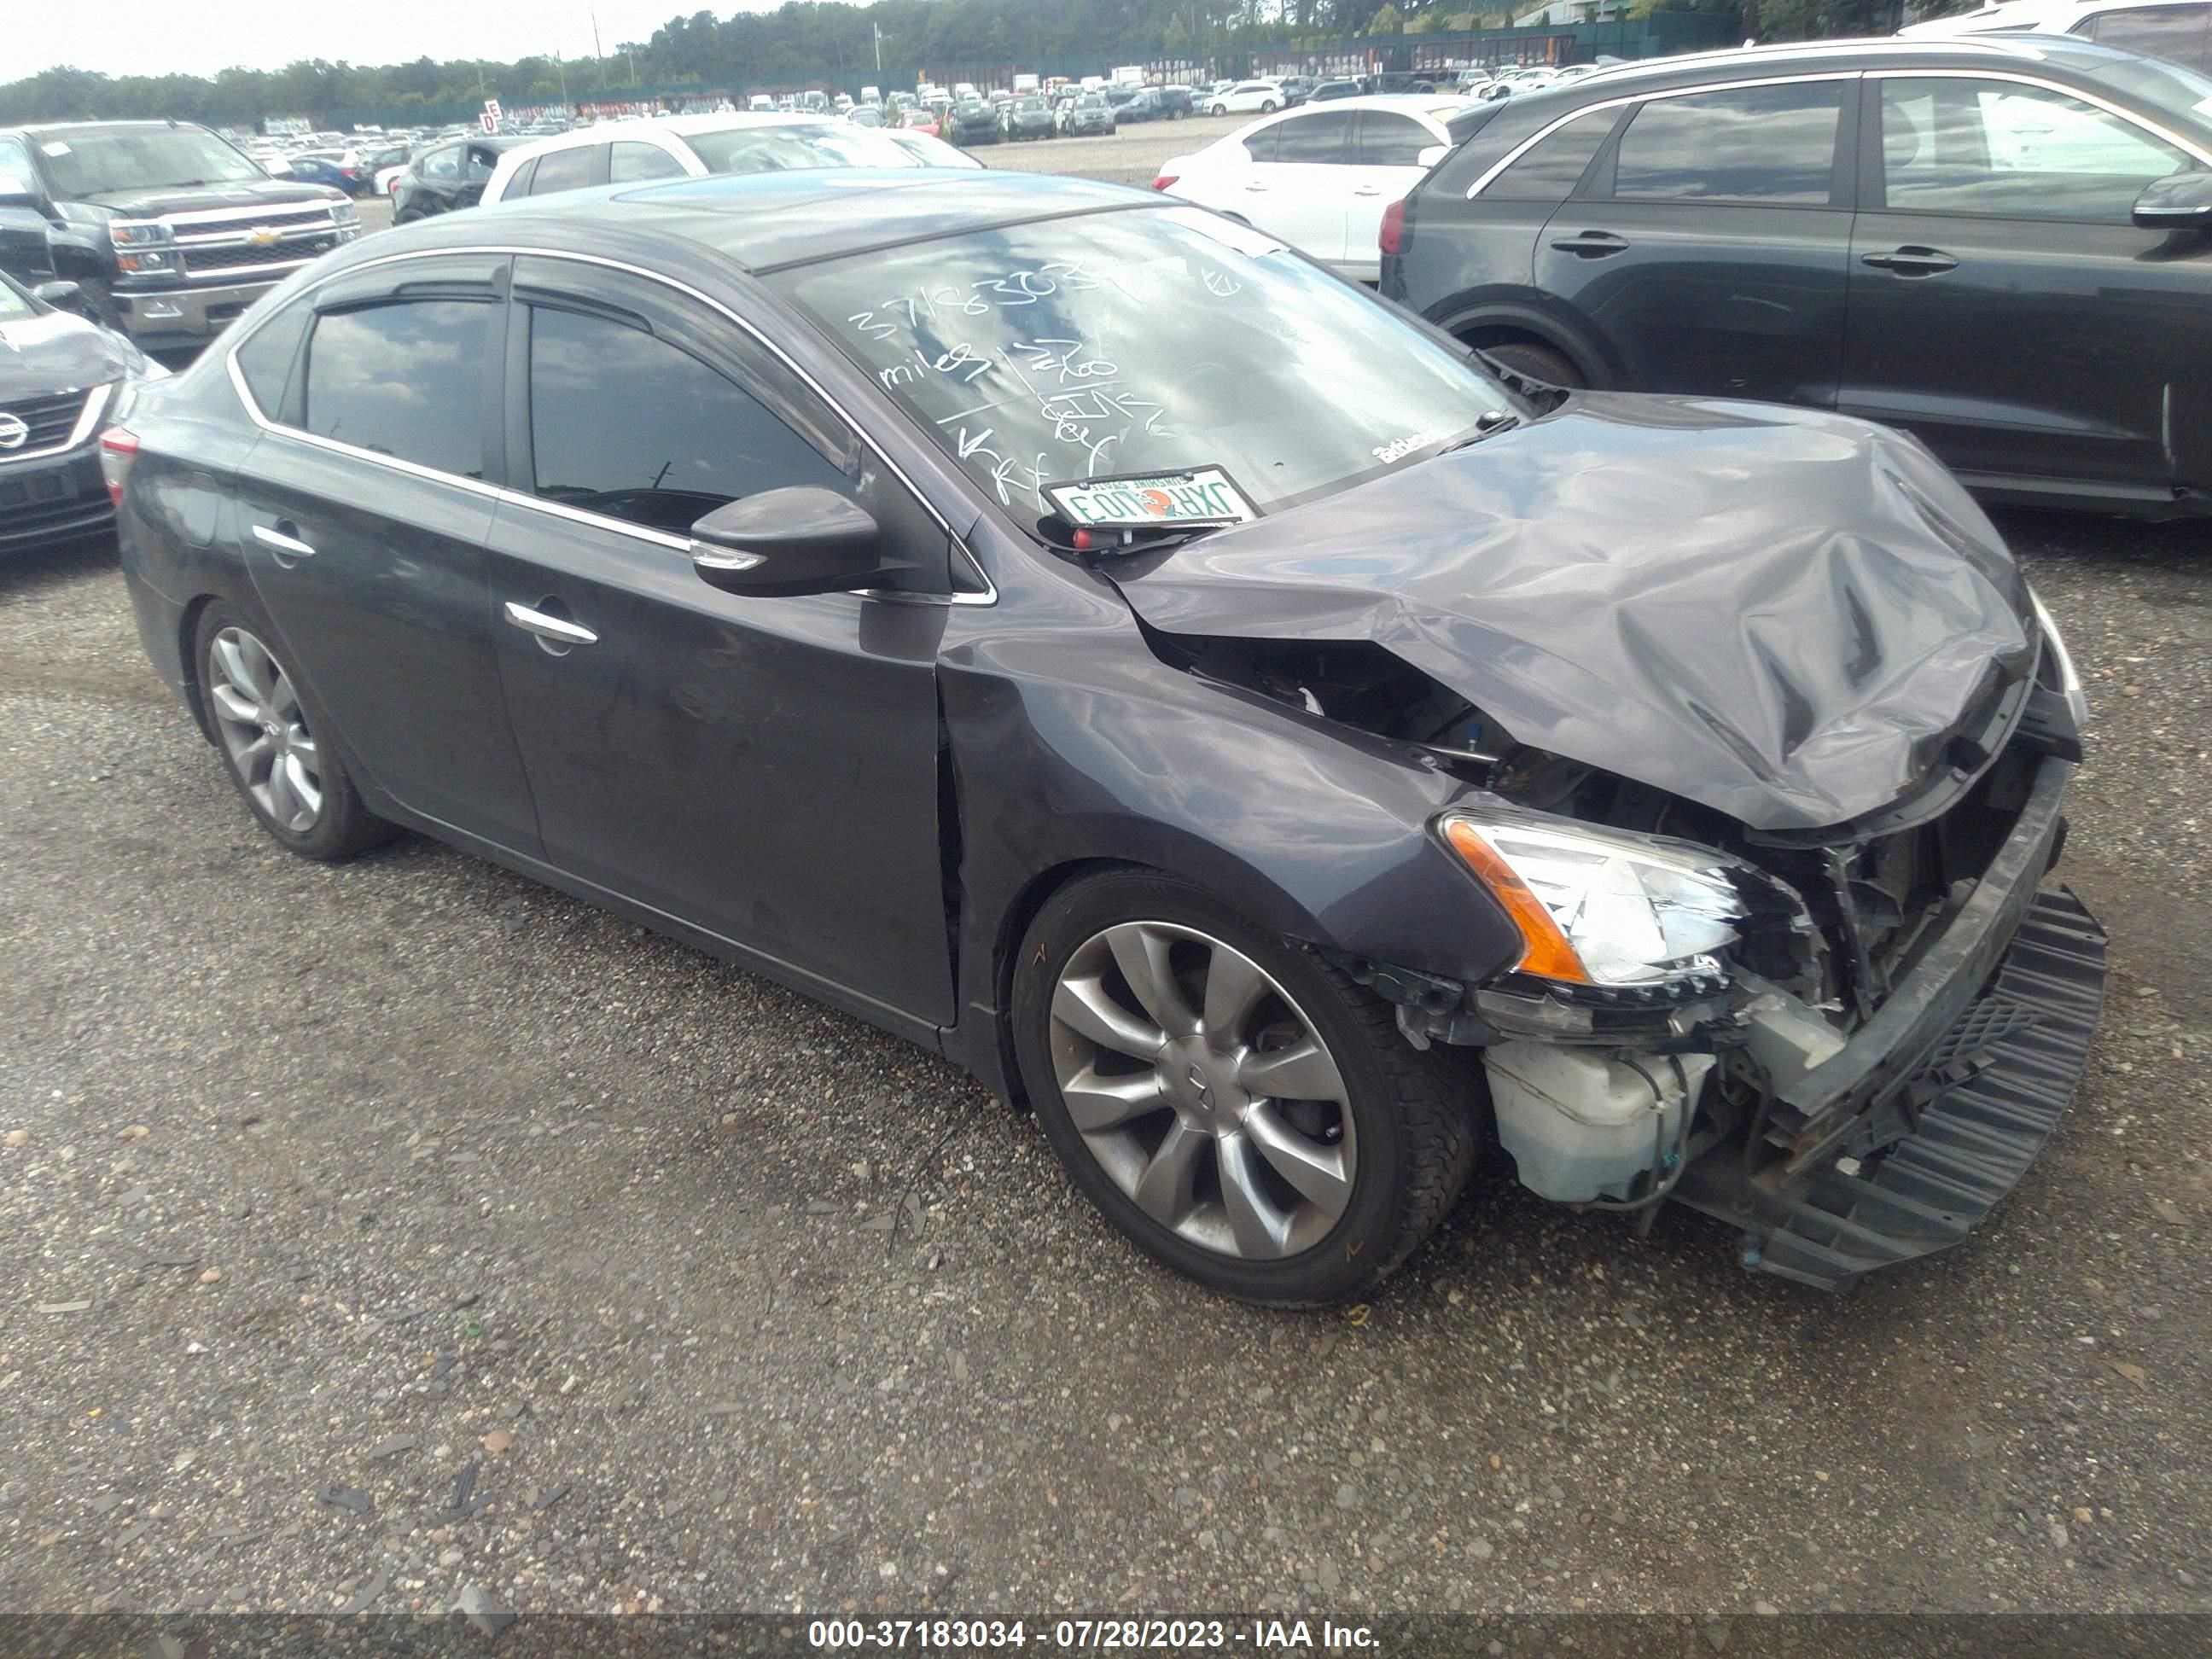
(1297, 191)
(2004, 308)
(361, 515)
(1386, 163)
(1709, 244)
(762, 769)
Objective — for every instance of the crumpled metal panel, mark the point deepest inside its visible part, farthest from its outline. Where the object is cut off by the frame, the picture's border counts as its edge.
(1777, 612)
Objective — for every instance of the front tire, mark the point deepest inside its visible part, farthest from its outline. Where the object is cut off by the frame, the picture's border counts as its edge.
(1268, 107)
(1238, 1107)
(1220, 109)
(276, 752)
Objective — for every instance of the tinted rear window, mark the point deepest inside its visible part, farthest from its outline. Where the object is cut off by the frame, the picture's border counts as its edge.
(564, 169)
(1774, 144)
(2175, 32)
(404, 381)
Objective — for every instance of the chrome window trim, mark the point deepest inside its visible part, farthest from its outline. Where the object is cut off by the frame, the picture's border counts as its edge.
(1626, 97)
(2187, 146)
(238, 338)
(88, 418)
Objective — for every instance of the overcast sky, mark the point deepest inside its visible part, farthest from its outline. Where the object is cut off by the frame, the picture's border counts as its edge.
(198, 37)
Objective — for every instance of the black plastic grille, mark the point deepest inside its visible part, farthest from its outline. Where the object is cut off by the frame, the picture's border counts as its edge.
(50, 419)
(199, 259)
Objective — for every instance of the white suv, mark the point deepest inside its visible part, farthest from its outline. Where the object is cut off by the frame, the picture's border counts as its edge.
(2179, 31)
(1248, 97)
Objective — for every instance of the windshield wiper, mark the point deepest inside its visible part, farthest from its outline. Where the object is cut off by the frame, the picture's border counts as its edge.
(1496, 420)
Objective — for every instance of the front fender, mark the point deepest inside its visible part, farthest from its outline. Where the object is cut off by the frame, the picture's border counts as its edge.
(1072, 751)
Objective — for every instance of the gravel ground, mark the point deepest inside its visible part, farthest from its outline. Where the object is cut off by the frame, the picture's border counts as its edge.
(371, 1232)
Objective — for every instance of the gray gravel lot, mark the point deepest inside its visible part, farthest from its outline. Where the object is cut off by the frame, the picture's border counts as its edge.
(371, 1231)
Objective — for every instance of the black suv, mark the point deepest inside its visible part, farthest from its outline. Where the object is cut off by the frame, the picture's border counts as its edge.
(169, 232)
(2003, 246)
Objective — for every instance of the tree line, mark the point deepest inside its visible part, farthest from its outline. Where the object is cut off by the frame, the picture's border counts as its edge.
(806, 40)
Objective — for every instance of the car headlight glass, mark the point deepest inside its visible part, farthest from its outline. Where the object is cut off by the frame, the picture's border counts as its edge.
(1600, 908)
(137, 232)
(344, 213)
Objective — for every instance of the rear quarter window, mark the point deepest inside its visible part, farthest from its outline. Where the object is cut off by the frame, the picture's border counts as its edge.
(1549, 169)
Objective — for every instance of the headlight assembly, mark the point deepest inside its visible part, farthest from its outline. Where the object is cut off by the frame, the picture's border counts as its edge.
(138, 233)
(1600, 908)
(2070, 681)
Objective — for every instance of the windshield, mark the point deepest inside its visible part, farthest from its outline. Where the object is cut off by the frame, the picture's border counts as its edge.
(794, 148)
(14, 302)
(1032, 106)
(1145, 341)
(89, 165)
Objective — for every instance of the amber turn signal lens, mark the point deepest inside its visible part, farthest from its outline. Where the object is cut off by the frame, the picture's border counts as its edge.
(1545, 948)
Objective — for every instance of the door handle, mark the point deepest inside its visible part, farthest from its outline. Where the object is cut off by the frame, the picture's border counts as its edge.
(1911, 261)
(1591, 243)
(559, 630)
(1368, 190)
(280, 536)
(1255, 184)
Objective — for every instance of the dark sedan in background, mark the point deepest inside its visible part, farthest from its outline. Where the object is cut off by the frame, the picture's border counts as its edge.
(973, 121)
(2002, 245)
(1250, 733)
(61, 376)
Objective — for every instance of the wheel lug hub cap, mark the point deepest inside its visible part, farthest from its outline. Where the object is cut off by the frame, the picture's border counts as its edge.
(1201, 1085)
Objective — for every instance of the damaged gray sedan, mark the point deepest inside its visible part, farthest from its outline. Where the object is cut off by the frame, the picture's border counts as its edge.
(1076, 633)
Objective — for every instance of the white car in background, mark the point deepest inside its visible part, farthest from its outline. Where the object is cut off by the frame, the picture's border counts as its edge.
(1246, 96)
(2179, 31)
(695, 146)
(1319, 177)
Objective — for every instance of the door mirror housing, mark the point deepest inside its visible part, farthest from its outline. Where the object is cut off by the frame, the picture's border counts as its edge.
(1434, 154)
(2180, 201)
(63, 296)
(783, 542)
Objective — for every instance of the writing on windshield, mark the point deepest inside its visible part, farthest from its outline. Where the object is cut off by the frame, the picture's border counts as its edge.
(1140, 342)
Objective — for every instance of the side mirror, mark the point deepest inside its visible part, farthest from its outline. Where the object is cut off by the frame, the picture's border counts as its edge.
(17, 193)
(1434, 154)
(63, 296)
(2180, 201)
(781, 543)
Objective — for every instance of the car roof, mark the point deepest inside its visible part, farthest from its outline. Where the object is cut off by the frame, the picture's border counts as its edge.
(759, 222)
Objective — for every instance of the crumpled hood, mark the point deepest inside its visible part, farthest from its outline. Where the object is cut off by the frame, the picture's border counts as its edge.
(1775, 612)
(59, 352)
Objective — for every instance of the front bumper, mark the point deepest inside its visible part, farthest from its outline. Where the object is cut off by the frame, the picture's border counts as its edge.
(1901, 1143)
(56, 498)
(180, 317)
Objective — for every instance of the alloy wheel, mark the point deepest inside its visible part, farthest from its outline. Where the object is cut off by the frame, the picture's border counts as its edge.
(1203, 1090)
(264, 731)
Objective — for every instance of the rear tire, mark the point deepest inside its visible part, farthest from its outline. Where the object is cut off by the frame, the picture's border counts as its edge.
(1538, 363)
(1201, 1153)
(275, 743)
